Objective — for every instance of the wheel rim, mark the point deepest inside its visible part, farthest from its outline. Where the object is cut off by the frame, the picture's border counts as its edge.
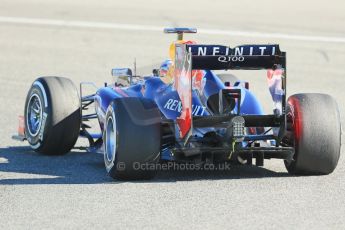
(110, 140)
(34, 115)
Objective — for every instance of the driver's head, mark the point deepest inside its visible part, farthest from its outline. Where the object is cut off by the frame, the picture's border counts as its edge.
(165, 68)
(166, 71)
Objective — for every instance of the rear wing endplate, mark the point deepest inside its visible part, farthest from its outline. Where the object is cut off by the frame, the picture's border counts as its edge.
(183, 86)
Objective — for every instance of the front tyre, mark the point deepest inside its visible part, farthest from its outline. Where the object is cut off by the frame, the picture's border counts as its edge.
(314, 121)
(52, 115)
(132, 138)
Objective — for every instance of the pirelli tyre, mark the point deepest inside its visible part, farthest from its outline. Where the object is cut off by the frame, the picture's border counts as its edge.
(132, 138)
(52, 115)
(314, 121)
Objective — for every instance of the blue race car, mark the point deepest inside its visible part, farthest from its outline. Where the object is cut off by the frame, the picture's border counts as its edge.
(184, 112)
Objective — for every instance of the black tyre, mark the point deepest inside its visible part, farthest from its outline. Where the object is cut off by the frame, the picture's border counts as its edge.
(313, 120)
(52, 115)
(132, 138)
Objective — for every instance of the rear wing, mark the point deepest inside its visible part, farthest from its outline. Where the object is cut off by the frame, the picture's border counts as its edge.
(215, 57)
(211, 57)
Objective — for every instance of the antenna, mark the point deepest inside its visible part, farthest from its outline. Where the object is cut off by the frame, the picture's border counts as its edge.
(135, 70)
(135, 67)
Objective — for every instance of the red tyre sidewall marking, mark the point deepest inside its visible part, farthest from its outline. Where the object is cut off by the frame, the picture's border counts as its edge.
(295, 113)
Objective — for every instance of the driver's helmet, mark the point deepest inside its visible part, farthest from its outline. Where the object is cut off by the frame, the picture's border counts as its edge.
(165, 68)
(166, 71)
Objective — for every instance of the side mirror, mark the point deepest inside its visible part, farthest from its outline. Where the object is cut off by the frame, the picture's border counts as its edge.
(122, 76)
(155, 72)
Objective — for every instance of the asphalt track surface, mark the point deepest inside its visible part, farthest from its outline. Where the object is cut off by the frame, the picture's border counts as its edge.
(83, 40)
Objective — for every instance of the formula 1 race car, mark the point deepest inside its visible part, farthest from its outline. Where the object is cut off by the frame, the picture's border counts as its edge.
(195, 117)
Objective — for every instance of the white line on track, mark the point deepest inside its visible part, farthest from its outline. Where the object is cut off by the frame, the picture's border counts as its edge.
(134, 27)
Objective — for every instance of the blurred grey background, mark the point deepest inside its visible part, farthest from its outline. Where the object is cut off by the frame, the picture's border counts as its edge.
(84, 39)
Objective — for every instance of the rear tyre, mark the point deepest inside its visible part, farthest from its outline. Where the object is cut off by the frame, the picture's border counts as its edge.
(52, 115)
(132, 138)
(314, 121)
